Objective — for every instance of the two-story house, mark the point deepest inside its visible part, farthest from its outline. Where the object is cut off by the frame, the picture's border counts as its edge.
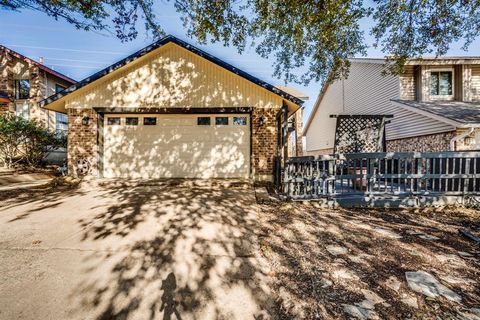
(24, 82)
(435, 104)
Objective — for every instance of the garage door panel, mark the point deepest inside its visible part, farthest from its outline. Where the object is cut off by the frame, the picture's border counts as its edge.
(181, 149)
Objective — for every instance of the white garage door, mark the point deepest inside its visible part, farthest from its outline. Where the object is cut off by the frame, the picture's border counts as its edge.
(176, 146)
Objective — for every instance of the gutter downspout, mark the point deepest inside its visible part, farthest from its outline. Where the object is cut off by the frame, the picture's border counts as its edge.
(461, 136)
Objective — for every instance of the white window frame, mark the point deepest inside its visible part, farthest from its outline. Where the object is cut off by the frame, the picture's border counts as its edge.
(61, 126)
(441, 97)
(25, 112)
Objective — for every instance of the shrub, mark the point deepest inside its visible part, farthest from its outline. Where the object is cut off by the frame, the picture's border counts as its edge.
(26, 141)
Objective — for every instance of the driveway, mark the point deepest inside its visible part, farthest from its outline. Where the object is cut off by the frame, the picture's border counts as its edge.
(164, 250)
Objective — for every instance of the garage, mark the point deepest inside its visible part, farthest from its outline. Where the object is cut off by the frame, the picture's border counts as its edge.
(153, 146)
(171, 110)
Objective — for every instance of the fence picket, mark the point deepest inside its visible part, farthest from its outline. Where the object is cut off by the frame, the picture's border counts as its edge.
(402, 173)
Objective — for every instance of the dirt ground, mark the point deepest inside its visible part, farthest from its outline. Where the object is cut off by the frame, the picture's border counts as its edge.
(331, 264)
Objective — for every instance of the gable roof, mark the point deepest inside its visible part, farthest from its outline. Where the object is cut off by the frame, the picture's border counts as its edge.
(156, 45)
(37, 64)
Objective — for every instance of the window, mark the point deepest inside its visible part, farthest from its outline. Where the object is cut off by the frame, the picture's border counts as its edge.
(59, 88)
(239, 121)
(23, 110)
(22, 89)
(114, 121)
(203, 121)
(221, 121)
(441, 83)
(61, 123)
(131, 121)
(149, 121)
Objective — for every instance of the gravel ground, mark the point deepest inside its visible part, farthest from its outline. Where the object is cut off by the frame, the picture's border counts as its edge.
(332, 264)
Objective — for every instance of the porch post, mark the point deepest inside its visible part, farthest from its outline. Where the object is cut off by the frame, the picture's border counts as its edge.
(285, 134)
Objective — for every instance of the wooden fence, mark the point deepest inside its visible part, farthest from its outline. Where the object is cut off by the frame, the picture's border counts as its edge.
(382, 174)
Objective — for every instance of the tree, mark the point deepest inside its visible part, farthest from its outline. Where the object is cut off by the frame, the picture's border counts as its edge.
(316, 36)
(26, 141)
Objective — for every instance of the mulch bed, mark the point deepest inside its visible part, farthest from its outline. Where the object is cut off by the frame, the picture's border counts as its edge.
(331, 264)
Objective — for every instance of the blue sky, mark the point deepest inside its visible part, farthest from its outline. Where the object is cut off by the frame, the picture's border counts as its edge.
(78, 53)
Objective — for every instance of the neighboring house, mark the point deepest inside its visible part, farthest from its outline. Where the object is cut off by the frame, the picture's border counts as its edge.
(24, 82)
(435, 104)
(172, 110)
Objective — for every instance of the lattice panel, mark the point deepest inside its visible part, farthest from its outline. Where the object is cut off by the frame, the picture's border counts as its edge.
(359, 134)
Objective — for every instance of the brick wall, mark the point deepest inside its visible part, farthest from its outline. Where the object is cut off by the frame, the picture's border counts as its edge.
(428, 143)
(6, 80)
(38, 90)
(82, 141)
(264, 142)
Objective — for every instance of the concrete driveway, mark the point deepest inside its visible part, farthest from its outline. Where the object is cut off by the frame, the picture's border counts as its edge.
(165, 250)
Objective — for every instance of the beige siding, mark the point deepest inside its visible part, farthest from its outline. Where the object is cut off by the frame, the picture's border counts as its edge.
(475, 83)
(409, 124)
(408, 84)
(172, 77)
(321, 132)
(367, 91)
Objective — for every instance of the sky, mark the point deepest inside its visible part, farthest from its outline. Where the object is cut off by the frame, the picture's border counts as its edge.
(78, 53)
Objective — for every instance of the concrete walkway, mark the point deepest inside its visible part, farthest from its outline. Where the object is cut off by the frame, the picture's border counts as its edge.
(171, 250)
(10, 180)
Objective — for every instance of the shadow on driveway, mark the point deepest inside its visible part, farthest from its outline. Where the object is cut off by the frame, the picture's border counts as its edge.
(191, 252)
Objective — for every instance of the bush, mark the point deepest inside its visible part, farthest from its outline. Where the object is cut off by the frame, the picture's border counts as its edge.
(26, 141)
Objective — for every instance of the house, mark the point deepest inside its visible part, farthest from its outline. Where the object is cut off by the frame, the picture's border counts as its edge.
(24, 82)
(173, 110)
(435, 104)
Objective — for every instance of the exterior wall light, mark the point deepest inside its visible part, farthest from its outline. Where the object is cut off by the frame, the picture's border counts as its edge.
(85, 120)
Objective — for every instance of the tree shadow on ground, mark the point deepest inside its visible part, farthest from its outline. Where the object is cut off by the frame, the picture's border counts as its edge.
(185, 249)
(344, 263)
(44, 197)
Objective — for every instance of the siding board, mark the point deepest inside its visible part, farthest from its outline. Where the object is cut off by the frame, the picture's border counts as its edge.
(475, 82)
(172, 77)
(367, 91)
(408, 84)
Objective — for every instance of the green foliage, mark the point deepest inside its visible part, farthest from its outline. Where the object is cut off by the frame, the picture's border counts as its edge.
(412, 28)
(26, 141)
(308, 37)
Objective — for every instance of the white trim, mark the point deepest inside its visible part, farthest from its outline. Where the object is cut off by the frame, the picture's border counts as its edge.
(458, 137)
(448, 97)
